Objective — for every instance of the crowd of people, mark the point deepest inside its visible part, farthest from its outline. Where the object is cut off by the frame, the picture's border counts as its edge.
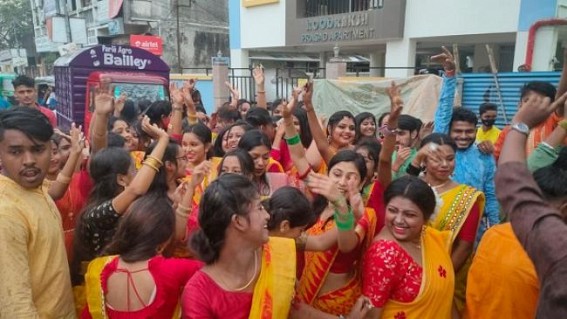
(268, 210)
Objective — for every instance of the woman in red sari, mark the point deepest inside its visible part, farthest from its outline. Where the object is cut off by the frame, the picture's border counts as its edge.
(139, 281)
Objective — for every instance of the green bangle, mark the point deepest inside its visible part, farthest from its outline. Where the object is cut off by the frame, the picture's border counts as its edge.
(344, 223)
(293, 140)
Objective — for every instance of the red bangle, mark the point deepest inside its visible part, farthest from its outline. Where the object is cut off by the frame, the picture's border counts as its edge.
(302, 176)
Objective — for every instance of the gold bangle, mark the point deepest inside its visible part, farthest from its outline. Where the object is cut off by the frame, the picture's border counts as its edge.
(182, 214)
(153, 161)
(151, 166)
(156, 159)
(183, 207)
(63, 179)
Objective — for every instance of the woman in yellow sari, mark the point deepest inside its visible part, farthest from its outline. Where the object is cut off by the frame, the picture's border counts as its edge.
(407, 272)
(461, 206)
(247, 274)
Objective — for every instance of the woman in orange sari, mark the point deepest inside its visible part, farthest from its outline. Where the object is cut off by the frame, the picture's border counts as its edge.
(247, 274)
(407, 270)
(331, 279)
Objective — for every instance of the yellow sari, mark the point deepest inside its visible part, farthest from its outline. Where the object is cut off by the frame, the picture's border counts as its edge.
(275, 288)
(457, 205)
(318, 265)
(437, 284)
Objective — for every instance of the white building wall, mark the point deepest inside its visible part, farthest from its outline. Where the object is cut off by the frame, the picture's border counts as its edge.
(263, 26)
(431, 19)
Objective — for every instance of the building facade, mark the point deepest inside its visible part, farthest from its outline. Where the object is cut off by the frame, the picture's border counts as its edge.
(192, 31)
(395, 37)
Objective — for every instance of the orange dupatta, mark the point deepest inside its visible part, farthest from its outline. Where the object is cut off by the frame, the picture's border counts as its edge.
(318, 265)
(275, 288)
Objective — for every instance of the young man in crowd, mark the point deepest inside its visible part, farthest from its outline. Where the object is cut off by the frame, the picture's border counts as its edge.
(487, 131)
(472, 167)
(25, 94)
(34, 273)
(406, 136)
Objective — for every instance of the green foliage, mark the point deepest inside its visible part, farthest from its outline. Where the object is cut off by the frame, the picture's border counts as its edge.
(16, 23)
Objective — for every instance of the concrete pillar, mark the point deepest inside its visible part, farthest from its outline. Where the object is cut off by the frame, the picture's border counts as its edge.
(239, 58)
(520, 49)
(400, 54)
(377, 59)
(323, 57)
(335, 69)
(544, 49)
(220, 76)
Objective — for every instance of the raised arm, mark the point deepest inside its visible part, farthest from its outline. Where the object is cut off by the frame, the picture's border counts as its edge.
(259, 79)
(145, 175)
(175, 127)
(61, 184)
(188, 88)
(345, 220)
(184, 199)
(296, 150)
(389, 142)
(533, 220)
(104, 106)
(318, 135)
(562, 88)
(444, 110)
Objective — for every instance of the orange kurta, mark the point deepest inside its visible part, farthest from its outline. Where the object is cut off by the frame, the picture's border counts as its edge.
(502, 281)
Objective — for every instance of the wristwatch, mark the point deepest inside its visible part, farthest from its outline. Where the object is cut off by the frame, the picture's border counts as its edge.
(521, 127)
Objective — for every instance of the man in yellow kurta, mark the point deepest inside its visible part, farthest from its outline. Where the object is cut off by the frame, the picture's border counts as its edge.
(34, 275)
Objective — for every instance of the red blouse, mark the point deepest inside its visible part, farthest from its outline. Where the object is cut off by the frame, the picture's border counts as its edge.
(389, 272)
(170, 275)
(204, 299)
(468, 231)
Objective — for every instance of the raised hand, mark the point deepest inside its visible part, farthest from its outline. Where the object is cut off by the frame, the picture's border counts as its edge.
(308, 96)
(425, 130)
(104, 98)
(190, 85)
(536, 109)
(199, 172)
(396, 101)
(77, 139)
(234, 94)
(119, 103)
(177, 98)
(446, 58)
(153, 130)
(324, 186)
(258, 74)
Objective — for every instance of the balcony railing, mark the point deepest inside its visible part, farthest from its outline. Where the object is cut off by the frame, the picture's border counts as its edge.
(315, 8)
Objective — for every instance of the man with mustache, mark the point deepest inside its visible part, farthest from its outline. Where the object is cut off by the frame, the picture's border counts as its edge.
(406, 136)
(472, 167)
(25, 94)
(34, 273)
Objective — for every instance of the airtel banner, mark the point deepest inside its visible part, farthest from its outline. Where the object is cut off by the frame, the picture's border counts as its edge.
(151, 43)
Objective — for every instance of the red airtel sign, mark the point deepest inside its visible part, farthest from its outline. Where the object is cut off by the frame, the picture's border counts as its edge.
(151, 43)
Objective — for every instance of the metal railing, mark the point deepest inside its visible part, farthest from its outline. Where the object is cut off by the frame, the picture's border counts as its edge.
(288, 78)
(315, 8)
(242, 79)
(206, 71)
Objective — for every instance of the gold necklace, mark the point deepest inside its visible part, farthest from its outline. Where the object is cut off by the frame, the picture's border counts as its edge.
(251, 279)
(440, 185)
